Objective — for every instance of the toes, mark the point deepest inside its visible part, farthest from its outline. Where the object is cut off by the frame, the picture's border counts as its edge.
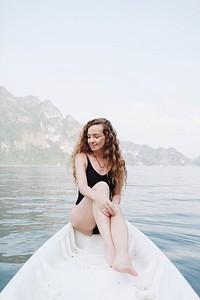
(133, 272)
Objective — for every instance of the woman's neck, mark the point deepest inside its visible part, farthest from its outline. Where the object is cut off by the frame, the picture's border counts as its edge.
(98, 154)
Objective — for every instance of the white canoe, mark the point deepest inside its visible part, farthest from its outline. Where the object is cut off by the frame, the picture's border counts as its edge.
(72, 266)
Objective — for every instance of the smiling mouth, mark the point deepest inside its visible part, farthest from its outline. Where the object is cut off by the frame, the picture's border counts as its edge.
(93, 146)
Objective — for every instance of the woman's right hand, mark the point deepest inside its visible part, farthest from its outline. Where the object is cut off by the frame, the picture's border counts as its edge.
(106, 207)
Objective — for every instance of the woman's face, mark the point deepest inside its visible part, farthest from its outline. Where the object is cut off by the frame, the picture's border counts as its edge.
(95, 137)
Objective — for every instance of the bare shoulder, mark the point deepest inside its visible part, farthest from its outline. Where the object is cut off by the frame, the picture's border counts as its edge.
(81, 157)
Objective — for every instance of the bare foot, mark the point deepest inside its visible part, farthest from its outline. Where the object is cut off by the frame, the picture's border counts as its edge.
(123, 264)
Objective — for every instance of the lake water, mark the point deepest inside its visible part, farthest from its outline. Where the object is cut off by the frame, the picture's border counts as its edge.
(164, 202)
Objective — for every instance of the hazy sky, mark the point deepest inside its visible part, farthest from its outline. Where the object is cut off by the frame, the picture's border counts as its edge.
(136, 63)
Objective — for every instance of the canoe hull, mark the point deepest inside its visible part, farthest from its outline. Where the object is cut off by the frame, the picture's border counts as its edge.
(72, 266)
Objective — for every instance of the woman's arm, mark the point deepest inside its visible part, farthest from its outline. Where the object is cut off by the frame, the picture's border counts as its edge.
(116, 199)
(105, 205)
(85, 190)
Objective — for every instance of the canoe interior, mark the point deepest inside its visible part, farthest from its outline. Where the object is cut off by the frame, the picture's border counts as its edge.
(72, 266)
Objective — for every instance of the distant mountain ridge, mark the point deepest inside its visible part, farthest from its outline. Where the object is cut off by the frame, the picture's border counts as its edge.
(34, 132)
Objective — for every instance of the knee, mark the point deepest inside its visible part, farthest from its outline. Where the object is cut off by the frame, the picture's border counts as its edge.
(102, 186)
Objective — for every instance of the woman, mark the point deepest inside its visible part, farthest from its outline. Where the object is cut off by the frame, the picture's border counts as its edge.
(100, 173)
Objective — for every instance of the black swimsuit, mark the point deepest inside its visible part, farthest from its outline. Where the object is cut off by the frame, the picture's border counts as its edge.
(94, 177)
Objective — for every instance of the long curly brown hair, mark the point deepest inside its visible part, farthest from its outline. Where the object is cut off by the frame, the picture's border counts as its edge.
(112, 152)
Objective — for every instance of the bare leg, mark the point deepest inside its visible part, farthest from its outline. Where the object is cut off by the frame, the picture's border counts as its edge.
(103, 223)
(86, 215)
(81, 217)
(122, 261)
(113, 229)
